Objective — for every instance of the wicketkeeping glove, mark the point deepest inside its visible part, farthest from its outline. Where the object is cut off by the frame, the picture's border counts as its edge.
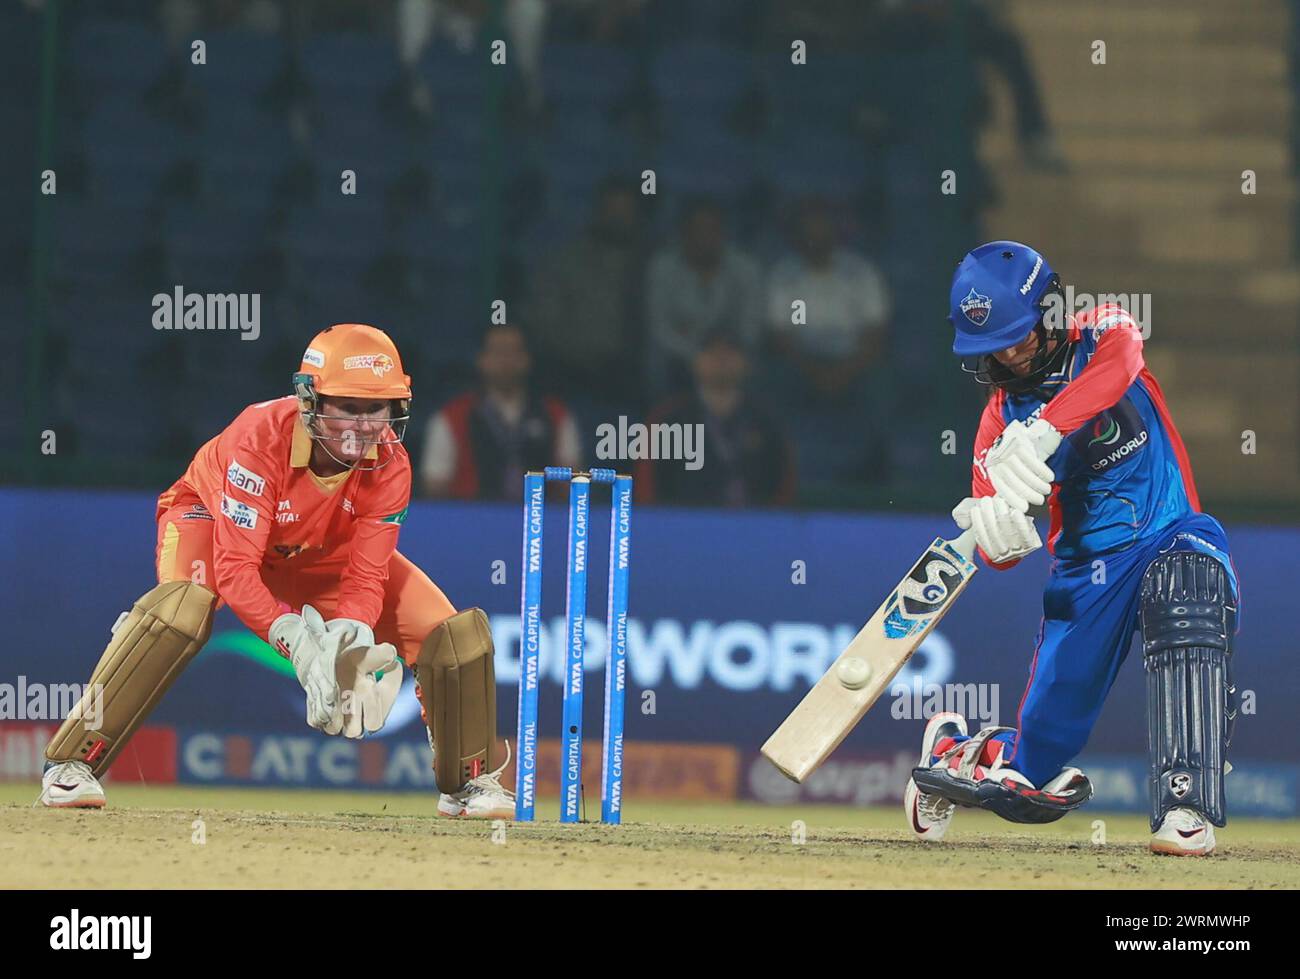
(312, 650)
(367, 698)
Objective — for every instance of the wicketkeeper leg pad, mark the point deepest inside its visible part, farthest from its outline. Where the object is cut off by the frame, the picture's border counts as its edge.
(456, 675)
(1188, 620)
(150, 647)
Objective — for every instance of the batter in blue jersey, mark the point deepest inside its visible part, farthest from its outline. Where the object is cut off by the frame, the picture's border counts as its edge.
(1075, 420)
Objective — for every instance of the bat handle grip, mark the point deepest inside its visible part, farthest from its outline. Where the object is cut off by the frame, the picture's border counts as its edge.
(964, 544)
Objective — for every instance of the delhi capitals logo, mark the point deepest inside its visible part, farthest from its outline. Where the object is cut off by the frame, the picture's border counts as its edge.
(977, 307)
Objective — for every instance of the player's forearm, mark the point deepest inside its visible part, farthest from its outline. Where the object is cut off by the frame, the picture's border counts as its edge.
(361, 588)
(362, 583)
(361, 603)
(1113, 368)
(242, 588)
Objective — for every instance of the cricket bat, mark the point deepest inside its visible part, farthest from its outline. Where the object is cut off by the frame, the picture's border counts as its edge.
(857, 678)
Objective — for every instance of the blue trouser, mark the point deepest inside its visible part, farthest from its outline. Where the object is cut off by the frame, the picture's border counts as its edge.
(1083, 640)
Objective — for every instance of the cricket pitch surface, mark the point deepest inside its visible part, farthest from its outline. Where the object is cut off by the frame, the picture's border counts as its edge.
(198, 837)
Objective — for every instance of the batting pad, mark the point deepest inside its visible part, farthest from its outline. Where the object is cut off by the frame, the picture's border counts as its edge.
(455, 672)
(164, 630)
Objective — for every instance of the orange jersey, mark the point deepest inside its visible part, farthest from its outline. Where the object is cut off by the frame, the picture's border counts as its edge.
(272, 514)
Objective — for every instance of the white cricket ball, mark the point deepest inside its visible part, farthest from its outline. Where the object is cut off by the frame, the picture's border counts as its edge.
(854, 672)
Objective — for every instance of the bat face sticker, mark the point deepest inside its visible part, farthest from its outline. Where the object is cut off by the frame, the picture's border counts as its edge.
(928, 584)
(921, 594)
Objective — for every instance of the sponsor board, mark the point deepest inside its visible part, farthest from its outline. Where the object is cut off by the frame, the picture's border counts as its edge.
(1252, 788)
(308, 760)
(1119, 783)
(149, 757)
(650, 771)
(719, 651)
(860, 780)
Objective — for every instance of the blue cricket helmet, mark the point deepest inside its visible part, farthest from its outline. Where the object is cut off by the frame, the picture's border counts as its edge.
(996, 297)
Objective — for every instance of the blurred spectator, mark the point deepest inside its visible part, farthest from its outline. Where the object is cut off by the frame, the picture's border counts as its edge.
(481, 443)
(585, 300)
(825, 25)
(419, 21)
(696, 287)
(846, 305)
(991, 40)
(824, 365)
(747, 458)
(603, 21)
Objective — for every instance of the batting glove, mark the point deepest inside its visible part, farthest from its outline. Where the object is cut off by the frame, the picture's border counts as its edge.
(1017, 463)
(1003, 534)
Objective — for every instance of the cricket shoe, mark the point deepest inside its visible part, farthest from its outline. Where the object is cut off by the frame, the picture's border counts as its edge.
(483, 797)
(928, 815)
(70, 785)
(1183, 833)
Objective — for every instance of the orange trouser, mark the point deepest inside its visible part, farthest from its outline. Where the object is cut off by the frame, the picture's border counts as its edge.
(413, 604)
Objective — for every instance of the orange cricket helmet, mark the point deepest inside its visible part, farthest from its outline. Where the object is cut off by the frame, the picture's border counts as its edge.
(353, 360)
(357, 361)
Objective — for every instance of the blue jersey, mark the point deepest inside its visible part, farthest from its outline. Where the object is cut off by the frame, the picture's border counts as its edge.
(1121, 473)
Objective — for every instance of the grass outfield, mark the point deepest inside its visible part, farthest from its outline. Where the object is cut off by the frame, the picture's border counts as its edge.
(266, 838)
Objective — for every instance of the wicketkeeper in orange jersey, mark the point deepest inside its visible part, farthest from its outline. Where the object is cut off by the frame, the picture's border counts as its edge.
(291, 516)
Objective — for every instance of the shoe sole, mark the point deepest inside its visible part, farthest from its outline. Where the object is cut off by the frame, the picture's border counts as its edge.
(492, 814)
(78, 804)
(1163, 848)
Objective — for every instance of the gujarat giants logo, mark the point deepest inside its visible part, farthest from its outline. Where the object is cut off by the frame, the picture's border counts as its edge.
(380, 364)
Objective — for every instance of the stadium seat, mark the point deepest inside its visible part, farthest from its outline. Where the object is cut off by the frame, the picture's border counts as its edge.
(805, 160)
(701, 75)
(240, 183)
(824, 92)
(241, 128)
(120, 119)
(241, 64)
(576, 74)
(355, 64)
(455, 77)
(107, 55)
